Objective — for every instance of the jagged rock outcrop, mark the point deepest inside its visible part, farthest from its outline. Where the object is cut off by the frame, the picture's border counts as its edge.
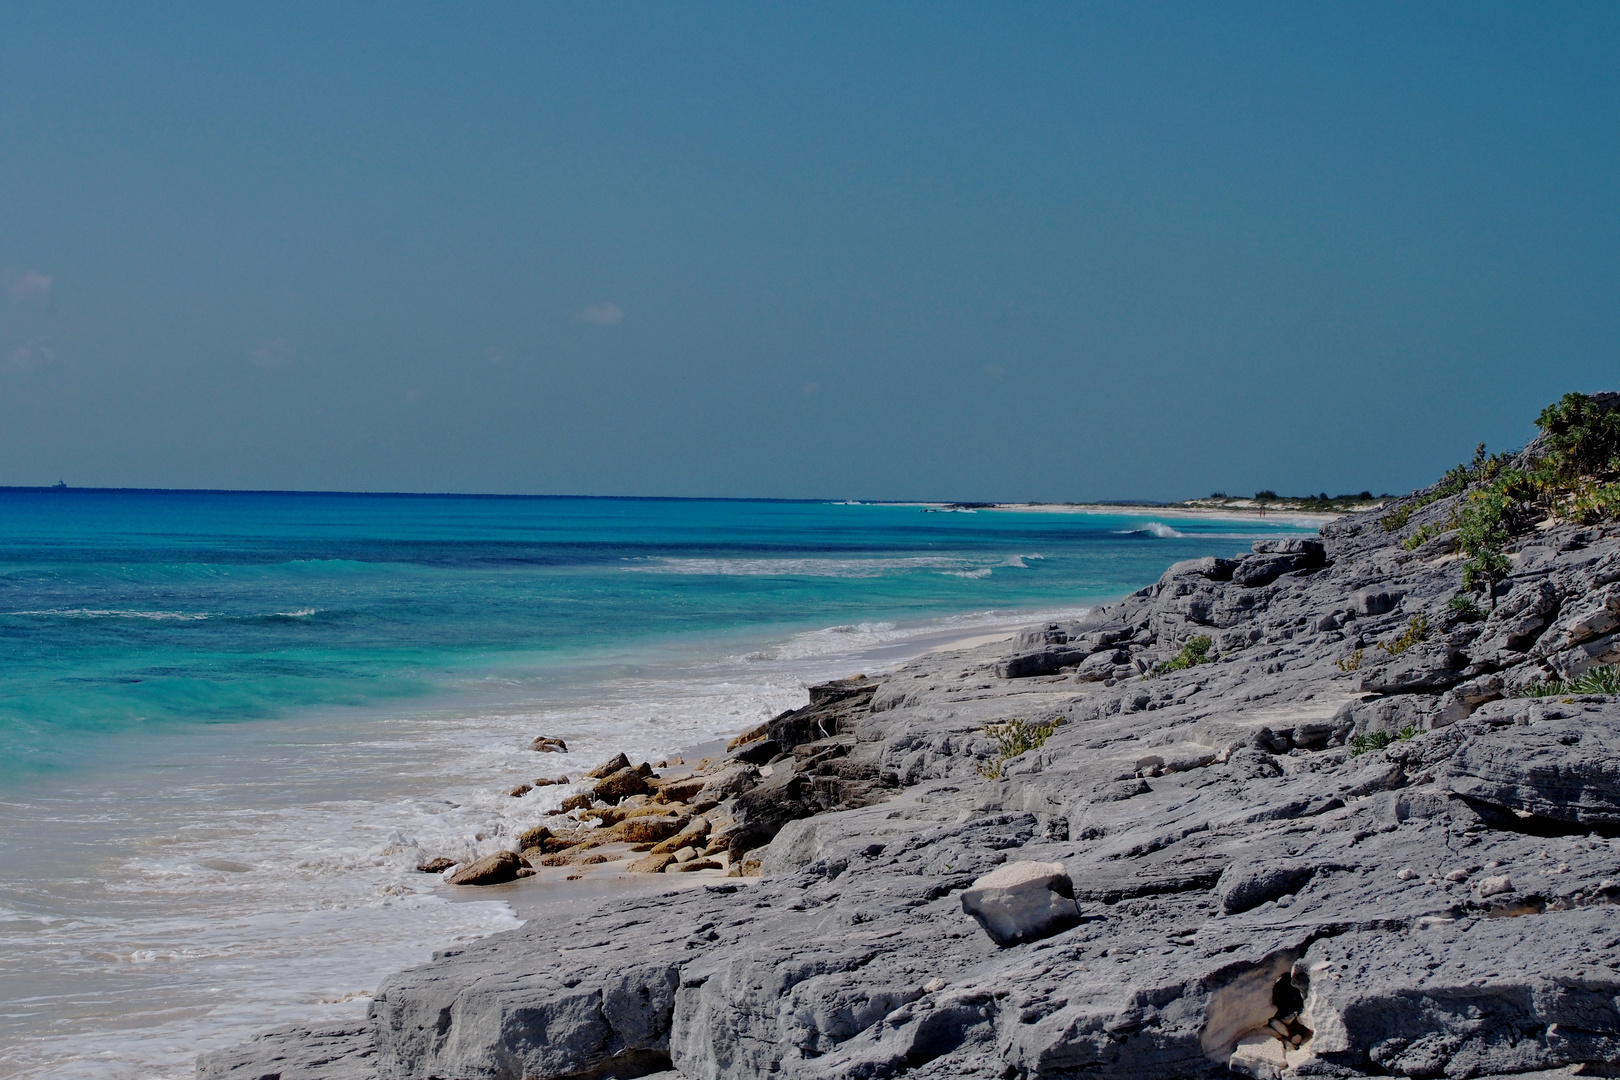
(1324, 852)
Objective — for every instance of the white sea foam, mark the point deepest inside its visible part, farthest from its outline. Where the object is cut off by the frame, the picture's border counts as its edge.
(1015, 562)
(958, 566)
(115, 613)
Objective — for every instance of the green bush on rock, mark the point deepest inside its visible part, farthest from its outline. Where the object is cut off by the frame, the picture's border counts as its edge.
(1192, 654)
(1013, 738)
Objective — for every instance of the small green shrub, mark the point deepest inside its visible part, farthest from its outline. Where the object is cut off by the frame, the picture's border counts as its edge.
(1396, 519)
(1350, 663)
(1361, 744)
(1192, 654)
(1599, 680)
(1465, 608)
(1013, 738)
(1487, 522)
(1423, 535)
(1416, 630)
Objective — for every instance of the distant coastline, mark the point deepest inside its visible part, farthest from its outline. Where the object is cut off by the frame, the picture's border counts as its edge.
(1208, 510)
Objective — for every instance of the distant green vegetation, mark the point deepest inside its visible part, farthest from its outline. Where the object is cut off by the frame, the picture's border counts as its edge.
(1192, 654)
(1322, 503)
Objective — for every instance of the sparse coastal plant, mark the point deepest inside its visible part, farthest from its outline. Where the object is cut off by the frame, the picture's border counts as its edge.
(1192, 654)
(1465, 609)
(1486, 524)
(1012, 738)
(1417, 629)
(1599, 680)
(1349, 663)
(1362, 744)
(1423, 535)
(1396, 519)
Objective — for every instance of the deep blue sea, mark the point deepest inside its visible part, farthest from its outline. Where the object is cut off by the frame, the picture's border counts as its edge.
(232, 723)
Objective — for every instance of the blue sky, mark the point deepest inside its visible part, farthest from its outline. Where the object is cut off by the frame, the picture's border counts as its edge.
(872, 251)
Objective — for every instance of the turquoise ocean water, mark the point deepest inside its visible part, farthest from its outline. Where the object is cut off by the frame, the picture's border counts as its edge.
(231, 723)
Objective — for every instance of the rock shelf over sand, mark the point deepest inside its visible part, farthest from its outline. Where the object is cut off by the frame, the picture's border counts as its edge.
(1306, 824)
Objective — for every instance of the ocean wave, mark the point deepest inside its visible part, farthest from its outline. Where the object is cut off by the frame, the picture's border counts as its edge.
(849, 639)
(116, 613)
(1154, 528)
(1015, 563)
(822, 567)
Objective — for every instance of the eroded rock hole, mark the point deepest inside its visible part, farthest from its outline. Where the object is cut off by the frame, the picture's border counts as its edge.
(1290, 1003)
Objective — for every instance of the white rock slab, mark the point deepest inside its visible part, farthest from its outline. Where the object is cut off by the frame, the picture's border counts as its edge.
(1021, 901)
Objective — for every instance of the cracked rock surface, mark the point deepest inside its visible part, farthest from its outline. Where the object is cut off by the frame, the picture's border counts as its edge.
(1253, 892)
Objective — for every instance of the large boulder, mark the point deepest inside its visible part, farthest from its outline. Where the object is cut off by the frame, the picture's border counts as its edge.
(681, 790)
(733, 779)
(1022, 901)
(494, 869)
(620, 784)
(1100, 665)
(1041, 662)
(609, 767)
(646, 829)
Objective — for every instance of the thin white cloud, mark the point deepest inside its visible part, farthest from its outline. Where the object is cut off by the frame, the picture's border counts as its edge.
(29, 288)
(30, 356)
(603, 315)
(273, 353)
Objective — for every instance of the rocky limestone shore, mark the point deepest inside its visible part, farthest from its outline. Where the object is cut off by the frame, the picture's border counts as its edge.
(1309, 821)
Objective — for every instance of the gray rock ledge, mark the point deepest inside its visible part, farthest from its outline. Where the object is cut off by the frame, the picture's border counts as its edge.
(1443, 905)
